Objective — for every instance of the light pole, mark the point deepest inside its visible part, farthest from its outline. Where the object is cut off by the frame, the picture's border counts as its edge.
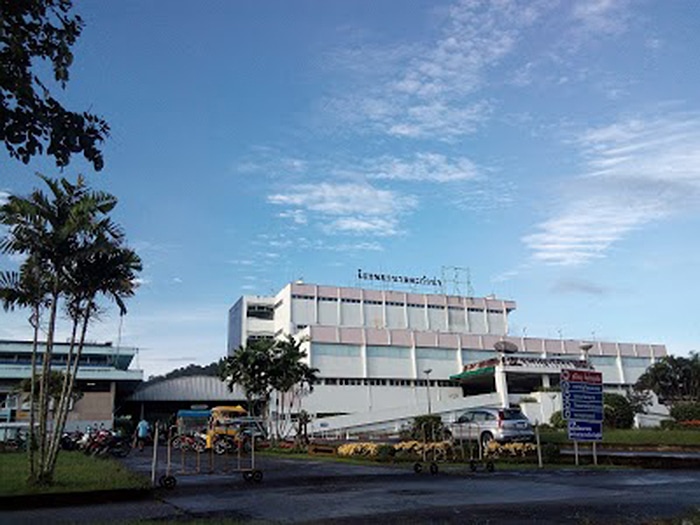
(585, 348)
(427, 372)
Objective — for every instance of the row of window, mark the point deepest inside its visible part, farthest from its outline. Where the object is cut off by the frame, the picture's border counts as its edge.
(350, 381)
(391, 303)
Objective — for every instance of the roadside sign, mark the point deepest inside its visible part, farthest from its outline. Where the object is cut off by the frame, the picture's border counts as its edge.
(585, 431)
(582, 404)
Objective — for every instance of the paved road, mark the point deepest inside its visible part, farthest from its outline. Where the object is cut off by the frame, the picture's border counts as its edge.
(308, 491)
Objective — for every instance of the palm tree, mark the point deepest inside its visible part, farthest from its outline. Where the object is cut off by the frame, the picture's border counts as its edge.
(250, 367)
(26, 289)
(62, 231)
(106, 269)
(290, 373)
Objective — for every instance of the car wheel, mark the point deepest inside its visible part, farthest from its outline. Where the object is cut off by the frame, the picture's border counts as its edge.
(486, 438)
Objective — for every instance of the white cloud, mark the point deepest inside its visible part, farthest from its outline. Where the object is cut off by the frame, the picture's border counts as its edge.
(601, 16)
(348, 207)
(432, 89)
(636, 171)
(425, 167)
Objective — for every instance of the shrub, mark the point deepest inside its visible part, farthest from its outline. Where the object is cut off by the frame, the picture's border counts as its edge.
(617, 411)
(551, 453)
(510, 450)
(385, 452)
(686, 411)
(428, 428)
(668, 424)
(557, 420)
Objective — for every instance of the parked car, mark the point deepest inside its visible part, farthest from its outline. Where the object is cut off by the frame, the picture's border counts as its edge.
(489, 424)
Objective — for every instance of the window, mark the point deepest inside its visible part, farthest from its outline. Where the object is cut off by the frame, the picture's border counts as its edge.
(475, 310)
(495, 311)
(328, 299)
(259, 311)
(349, 300)
(414, 305)
(372, 302)
(394, 303)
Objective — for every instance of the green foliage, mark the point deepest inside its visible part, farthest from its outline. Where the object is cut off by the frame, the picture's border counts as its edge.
(211, 369)
(55, 381)
(639, 400)
(266, 365)
(557, 420)
(617, 411)
(686, 411)
(428, 428)
(550, 453)
(37, 32)
(73, 256)
(385, 452)
(673, 379)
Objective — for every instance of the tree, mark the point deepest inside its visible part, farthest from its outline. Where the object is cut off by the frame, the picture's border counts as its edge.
(31, 119)
(74, 252)
(617, 411)
(291, 377)
(267, 365)
(673, 379)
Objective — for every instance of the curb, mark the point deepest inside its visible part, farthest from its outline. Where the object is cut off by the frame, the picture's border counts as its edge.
(70, 499)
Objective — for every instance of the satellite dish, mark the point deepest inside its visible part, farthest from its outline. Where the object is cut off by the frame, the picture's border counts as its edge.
(506, 347)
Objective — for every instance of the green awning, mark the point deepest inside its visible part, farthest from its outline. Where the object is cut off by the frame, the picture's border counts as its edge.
(471, 373)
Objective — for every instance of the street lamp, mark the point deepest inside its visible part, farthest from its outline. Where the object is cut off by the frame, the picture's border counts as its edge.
(585, 348)
(427, 372)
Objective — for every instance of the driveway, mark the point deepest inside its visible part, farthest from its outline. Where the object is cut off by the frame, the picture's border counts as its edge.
(308, 491)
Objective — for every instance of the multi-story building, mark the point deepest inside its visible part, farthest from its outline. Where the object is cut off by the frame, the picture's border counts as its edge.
(103, 377)
(388, 353)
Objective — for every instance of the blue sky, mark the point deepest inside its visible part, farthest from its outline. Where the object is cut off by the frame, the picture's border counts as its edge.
(550, 147)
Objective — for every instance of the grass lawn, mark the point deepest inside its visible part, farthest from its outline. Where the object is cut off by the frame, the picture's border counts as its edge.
(642, 437)
(75, 472)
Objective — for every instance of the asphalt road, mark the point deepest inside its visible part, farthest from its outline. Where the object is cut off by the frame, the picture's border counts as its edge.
(312, 491)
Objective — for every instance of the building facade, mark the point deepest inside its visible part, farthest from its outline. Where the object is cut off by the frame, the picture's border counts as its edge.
(103, 377)
(392, 351)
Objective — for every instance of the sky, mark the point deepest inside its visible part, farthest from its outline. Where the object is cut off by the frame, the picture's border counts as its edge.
(547, 152)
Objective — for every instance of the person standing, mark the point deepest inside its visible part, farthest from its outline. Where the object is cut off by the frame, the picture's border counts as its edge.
(142, 430)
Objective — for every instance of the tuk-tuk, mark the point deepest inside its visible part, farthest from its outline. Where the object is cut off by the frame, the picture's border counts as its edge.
(224, 423)
(190, 421)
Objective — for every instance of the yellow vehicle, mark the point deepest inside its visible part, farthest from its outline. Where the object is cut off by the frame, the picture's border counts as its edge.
(224, 425)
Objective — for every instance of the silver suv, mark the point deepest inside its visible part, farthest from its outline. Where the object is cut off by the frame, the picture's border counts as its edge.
(488, 424)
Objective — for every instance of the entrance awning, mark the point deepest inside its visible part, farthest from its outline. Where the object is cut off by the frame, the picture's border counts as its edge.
(472, 373)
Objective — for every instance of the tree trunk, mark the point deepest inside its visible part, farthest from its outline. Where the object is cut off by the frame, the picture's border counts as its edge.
(31, 437)
(44, 477)
(61, 413)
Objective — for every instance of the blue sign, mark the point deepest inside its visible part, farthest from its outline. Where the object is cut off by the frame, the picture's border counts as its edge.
(588, 414)
(582, 404)
(582, 388)
(585, 431)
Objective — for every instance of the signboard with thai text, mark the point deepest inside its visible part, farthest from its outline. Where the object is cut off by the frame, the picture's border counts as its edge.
(582, 404)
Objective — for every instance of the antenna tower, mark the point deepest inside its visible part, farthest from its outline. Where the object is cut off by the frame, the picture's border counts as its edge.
(456, 280)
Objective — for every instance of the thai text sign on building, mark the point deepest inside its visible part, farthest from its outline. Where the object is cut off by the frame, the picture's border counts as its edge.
(582, 404)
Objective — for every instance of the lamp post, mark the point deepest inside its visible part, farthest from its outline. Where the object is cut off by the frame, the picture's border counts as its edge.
(427, 372)
(585, 348)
